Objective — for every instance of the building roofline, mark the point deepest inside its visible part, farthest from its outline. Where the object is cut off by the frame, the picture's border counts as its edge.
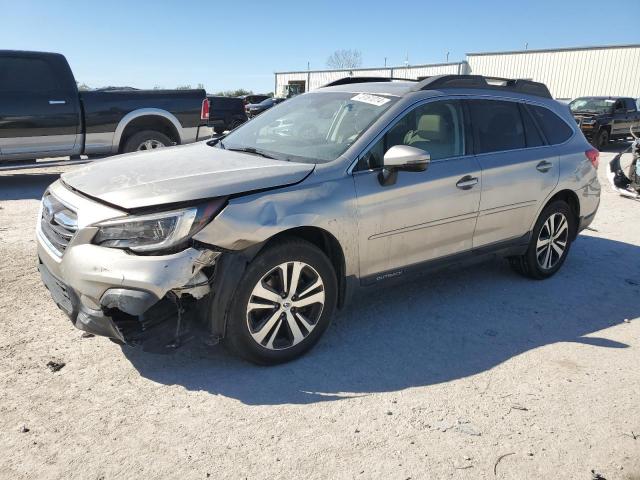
(547, 50)
(373, 68)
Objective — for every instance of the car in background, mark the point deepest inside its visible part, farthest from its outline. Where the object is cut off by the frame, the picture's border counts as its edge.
(254, 98)
(226, 113)
(603, 119)
(254, 109)
(43, 114)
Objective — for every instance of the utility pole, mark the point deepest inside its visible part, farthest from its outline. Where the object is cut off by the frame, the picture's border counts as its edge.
(447, 57)
(385, 61)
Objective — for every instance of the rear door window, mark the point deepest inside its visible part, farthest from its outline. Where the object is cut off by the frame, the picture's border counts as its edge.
(531, 132)
(498, 125)
(554, 128)
(27, 75)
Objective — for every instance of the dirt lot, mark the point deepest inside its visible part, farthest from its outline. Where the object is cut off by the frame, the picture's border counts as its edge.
(468, 374)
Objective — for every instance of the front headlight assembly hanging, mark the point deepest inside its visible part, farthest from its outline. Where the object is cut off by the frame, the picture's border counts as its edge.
(156, 231)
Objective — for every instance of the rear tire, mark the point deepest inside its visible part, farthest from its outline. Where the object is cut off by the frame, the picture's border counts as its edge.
(602, 139)
(550, 242)
(146, 140)
(235, 124)
(274, 320)
(219, 130)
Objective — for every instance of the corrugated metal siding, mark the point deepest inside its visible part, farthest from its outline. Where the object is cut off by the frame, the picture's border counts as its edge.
(569, 73)
(316, 79)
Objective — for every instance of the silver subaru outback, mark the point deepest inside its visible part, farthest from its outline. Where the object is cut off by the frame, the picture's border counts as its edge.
(262, 233)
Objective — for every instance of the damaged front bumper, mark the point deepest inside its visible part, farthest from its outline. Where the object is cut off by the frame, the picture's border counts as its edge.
(114, 293)
(107, 292)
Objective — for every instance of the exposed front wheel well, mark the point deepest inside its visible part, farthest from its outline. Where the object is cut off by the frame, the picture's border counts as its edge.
(149, 122)
(329, 245)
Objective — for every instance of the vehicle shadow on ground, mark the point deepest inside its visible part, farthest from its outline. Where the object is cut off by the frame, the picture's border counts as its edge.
(448, 325)
(22, 186)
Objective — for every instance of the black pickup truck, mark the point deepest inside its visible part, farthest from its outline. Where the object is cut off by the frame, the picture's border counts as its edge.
(42, 113)
(602, 119)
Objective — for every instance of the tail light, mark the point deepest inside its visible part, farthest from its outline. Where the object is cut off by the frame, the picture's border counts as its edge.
(204, 110)
(593, 155)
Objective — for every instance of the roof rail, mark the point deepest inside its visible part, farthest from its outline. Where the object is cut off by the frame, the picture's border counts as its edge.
(350, 80)
(478, 81)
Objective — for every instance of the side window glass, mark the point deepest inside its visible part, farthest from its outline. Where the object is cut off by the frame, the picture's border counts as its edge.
(531, 132)
(554, 128)
(631, 105)
(435, 127)
(498, 125)
(373, 158)
(27, 75)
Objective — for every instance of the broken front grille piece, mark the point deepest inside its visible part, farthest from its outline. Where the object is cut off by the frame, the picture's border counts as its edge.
(58, 223)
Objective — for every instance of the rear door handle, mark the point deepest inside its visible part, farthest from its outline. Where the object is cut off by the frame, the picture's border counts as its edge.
(544, 166)
(57, 102)
(467, 182)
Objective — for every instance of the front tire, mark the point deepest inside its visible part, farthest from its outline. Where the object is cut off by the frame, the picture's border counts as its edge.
(550, 242)
(283, 303)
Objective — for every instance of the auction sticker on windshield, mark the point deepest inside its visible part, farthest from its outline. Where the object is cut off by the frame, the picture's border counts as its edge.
(370, 99)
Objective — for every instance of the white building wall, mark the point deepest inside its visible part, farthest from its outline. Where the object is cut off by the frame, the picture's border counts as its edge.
(568, 73)
(317, 78)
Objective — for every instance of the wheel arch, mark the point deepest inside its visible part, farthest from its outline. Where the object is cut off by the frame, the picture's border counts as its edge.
(328, 244)
(235, 264)
(571, 198)
(146, 119)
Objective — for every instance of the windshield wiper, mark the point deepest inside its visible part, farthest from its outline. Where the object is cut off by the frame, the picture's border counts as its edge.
(251, 150)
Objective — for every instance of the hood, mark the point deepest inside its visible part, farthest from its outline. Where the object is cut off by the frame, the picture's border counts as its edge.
(180, 174)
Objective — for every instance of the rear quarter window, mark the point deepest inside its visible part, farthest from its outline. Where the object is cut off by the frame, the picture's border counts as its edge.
(555, 128)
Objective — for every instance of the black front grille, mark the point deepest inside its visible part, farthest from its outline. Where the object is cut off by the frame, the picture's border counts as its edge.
(58, 223)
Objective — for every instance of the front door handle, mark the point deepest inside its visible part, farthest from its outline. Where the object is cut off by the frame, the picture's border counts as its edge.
(57, 102)
(467, 182)
(544, 166)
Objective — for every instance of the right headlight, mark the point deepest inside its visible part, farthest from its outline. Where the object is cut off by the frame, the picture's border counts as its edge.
(156, 231)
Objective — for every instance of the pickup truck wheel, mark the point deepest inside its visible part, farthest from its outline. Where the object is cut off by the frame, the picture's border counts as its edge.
(602, 139)
(550, 243)
(146, 140)
(218, 130)
(283, 303)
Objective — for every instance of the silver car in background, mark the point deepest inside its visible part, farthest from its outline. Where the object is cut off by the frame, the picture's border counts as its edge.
(264, 232)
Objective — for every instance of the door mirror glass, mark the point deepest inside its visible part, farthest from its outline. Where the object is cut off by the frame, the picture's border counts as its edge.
(405, 157)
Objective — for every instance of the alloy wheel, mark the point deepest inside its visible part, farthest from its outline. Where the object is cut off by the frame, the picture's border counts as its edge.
(552, 241)
(150, 145)
(285, 305)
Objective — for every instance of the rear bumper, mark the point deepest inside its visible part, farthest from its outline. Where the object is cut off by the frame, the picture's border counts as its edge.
(586, 220)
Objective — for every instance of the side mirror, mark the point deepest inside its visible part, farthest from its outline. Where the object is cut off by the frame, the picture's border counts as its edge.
(405, 157)
(402, 157)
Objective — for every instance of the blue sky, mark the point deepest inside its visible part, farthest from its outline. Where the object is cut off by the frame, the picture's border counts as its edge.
(239, 44)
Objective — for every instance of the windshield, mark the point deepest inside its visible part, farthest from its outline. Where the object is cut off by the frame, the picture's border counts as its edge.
(314, 127)
(597, 105)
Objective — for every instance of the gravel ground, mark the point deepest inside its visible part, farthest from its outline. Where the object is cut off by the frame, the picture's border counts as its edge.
(470, 373)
